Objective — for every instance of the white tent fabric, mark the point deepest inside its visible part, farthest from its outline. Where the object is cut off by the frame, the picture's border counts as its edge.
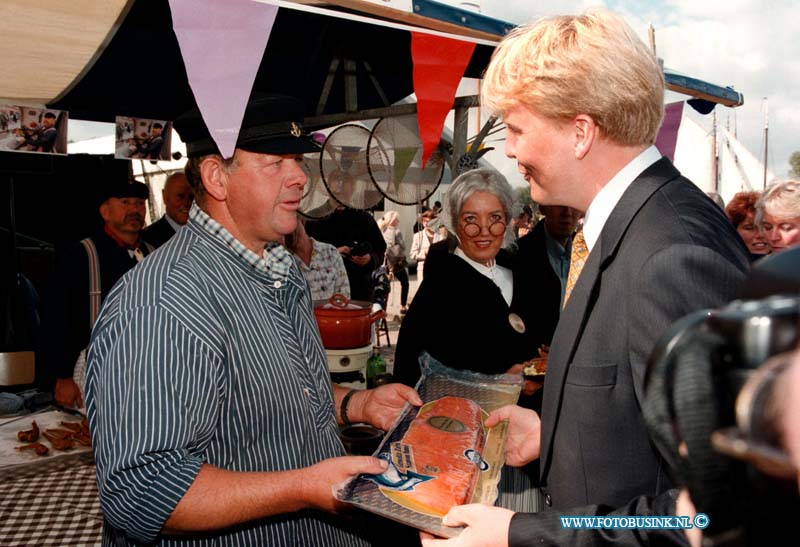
(740, 170)
(47, 44)
(694, 154)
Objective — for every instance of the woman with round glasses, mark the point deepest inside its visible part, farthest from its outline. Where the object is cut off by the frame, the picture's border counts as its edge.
(466, 313)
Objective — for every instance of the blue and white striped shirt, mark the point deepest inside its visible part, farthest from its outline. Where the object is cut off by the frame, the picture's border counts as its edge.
(208, 353)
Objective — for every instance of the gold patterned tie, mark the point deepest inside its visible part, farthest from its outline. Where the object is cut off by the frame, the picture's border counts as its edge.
(576, 261)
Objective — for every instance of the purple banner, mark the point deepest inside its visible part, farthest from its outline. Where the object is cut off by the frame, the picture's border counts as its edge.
(668, 134)
(222, 43)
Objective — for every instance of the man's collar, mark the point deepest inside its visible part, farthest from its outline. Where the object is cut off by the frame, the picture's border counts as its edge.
(553, 243)
(608, 197)
(275, 261)
(172, 222)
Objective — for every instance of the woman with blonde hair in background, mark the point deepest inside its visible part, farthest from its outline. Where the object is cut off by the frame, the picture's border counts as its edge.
(778, 214)
(395, 258)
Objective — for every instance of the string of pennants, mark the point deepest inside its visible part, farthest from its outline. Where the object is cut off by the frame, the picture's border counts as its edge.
(222, 78)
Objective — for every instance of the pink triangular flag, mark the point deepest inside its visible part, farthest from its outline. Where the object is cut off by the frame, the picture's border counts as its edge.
(439, 65)
(667, 137)
(222, 43)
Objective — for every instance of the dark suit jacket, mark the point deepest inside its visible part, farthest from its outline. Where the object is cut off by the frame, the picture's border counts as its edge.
(666, 250)
(540, 285)
(158, 232)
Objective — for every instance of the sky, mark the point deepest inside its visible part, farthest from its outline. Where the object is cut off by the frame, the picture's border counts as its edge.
(751, 45)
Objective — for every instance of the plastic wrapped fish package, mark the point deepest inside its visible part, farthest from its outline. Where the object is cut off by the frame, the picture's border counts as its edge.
(440, 454)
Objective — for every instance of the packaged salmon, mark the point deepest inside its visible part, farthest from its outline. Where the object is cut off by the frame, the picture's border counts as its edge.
(439, 454)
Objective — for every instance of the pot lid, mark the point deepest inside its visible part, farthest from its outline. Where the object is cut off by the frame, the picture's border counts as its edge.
(340, 302)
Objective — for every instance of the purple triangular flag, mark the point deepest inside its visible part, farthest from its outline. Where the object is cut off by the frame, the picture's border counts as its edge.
(667, 137)
(222, 43)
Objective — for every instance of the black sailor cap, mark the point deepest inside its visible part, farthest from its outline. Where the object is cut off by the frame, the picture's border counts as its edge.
(272, 124)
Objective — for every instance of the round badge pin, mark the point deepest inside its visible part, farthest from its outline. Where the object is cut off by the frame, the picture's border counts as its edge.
(516, 322)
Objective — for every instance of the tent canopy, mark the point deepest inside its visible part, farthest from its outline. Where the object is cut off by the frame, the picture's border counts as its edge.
(113, 58)
(135, 68)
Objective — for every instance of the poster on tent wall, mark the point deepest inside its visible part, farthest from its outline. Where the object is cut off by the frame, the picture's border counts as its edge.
(33, 129)
(140, 138)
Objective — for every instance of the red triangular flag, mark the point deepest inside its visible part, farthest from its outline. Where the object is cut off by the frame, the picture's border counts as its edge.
(439, 65)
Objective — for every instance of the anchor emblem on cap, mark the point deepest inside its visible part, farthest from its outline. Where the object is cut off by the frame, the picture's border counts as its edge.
(295, 131)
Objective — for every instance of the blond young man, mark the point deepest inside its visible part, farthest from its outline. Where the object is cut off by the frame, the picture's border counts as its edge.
(582, 100)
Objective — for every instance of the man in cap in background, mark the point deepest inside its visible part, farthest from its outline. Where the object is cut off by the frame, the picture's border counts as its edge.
(212, 413)
(353, 232)
(178, 198)
(68, 312)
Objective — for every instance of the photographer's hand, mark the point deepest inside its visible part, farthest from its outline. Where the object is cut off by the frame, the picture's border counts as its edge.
(361, 260)
(344, 250)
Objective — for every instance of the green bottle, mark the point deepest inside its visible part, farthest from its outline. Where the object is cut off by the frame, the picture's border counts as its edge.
(375, 367)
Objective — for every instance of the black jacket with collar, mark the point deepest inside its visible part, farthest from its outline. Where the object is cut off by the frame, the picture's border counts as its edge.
(158, 232)
(65, 328)
(665, 251)
(460, 317)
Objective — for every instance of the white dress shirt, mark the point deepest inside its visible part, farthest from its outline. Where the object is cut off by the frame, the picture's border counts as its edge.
(608, 197)
(500, 275)
(172, 222)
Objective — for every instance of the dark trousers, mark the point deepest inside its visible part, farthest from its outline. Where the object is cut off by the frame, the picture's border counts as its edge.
(401, 274)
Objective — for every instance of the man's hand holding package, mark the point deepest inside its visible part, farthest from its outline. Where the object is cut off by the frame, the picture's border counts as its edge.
(381, 406)
(485, 526)
(524, 433)
(319, 480)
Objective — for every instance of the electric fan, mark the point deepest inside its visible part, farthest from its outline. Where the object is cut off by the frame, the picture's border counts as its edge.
(343, 167)
(395, 161)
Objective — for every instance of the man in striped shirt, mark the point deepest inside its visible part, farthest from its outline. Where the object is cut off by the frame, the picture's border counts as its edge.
(213, 418)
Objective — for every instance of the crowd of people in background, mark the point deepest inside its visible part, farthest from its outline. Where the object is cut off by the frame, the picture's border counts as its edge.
(768, 222)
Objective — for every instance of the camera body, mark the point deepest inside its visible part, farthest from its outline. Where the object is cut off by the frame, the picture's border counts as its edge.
(718, 433)
(360, 248)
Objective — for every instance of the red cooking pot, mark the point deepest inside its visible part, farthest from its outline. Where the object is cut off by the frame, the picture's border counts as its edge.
(345, 323)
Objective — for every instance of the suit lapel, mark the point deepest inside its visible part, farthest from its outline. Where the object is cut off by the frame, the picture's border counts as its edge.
(579, 306)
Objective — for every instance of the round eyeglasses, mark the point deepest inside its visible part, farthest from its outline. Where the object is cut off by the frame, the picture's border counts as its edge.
(496, 228)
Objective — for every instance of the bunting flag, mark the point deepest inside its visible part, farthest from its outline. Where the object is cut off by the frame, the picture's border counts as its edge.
(221, 77)
(403, 156)
(668, 134)
(439, 65)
